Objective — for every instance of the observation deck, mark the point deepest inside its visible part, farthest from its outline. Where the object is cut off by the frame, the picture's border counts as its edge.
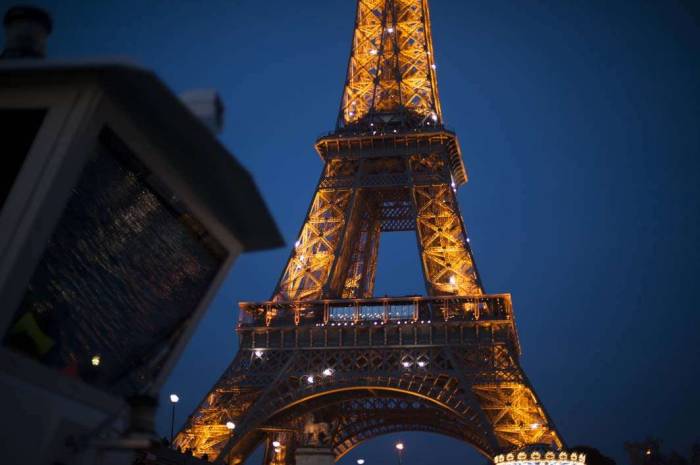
(383, 143)
(409, 320)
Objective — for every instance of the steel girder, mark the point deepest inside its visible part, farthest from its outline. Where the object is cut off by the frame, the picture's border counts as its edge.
(485, 396)
(447, 363)
(391, 74)
(335, 254)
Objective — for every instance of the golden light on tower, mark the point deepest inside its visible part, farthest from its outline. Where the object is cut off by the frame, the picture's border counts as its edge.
(324, 343)
(391, 64)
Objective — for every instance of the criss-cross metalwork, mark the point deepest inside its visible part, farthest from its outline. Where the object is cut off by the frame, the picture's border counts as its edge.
(322, 345)
(391, 73)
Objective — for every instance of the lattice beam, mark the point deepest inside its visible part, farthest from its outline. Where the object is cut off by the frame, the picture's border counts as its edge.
(517, 417)
(315, 251)
(447, 363)
(447, 259)
(391, 73)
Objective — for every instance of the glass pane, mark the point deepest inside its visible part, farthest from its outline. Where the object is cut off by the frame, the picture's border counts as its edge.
(401, 312)
(372, 312)
(341, 313)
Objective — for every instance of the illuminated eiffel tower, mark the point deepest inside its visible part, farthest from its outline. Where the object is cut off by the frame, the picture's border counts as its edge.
(323, 351)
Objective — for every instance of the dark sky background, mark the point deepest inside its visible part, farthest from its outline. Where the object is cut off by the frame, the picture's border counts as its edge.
(580, 127)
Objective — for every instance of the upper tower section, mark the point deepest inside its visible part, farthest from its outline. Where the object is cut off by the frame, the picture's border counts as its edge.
(390, 104)
(391, 82)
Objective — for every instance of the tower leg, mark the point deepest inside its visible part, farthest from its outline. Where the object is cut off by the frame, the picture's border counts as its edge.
(448, 264)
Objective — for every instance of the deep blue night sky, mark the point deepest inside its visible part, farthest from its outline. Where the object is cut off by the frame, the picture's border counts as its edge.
(580, 127)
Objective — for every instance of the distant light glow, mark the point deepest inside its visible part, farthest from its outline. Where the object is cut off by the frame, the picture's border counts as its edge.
(230, 425)
(373, 51)
(406, 364)
(422, 363)
(95, 360)
(389, 30)
(278, 450)
(328, 372)
(276, 444)
(310, 379)
(399, 446)
(534, 426)
(174, 398)
(360, 461)
(259, 353)
(453, 280)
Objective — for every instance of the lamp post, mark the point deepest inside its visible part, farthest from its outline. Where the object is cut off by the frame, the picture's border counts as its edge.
(399, 451)
(360, 461)
(174, 398)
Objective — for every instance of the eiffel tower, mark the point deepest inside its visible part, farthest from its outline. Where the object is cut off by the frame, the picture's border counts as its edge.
(323, 348)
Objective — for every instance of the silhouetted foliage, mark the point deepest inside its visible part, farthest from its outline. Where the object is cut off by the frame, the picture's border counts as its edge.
(594, 456)
(695, 454)
(645, 452)
(648, 452)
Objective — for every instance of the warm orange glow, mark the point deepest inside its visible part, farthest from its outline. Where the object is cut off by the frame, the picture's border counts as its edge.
(518, 419)
(447, 258)
(311, 261)
(389, 166)
(391, 67)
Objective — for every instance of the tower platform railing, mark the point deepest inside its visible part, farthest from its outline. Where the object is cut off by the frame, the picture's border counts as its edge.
(380, 310)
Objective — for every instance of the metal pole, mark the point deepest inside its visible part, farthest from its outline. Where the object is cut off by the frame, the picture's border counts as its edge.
(172, 425)
(400, 454)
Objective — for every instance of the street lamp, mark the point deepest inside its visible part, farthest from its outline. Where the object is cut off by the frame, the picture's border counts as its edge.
(360, 461)
(399, 451)
(174, 399)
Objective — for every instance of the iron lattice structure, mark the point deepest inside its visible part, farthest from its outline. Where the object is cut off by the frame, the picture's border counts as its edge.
(446, 362)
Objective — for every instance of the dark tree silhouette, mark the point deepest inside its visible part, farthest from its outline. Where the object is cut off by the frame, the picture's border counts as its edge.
(648, 452)
(695, 454)
(594, 456)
